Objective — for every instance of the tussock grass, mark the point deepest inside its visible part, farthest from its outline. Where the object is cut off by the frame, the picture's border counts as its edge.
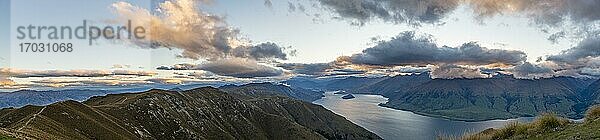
(545, 123)
(592, 114)
(545, 126)
(6, 138)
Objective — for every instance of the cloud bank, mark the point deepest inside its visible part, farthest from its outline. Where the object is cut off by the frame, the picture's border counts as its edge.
(234, 67)
(409, 49)
(411, 53)
(21, 73)
(396, 11)
(541, 12)
(450, 71)
(241, 68)
(532, 71)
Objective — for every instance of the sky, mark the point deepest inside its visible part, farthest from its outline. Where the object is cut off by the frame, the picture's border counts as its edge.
(258, 40)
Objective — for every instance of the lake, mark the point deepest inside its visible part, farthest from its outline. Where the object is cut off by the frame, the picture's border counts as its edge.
(397, 124)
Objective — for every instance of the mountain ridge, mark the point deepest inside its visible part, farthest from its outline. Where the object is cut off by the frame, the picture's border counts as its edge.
(203, 113)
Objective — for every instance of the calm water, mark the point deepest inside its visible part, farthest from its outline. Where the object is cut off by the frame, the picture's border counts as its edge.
(396, 124)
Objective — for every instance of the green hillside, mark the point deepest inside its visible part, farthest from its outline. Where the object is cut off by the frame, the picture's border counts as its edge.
(204, 113)
(494, 98)
(546, 127)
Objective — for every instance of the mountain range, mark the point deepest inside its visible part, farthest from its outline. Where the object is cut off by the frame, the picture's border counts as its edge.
(270, 89)
(499, 97)
(203, 113)
(32, 97)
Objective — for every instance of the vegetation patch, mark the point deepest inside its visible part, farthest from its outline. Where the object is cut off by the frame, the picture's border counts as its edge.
(546, 126)
(3, 137)
(592, 114)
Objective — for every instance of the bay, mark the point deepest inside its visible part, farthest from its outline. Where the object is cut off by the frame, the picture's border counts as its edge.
(397, 124)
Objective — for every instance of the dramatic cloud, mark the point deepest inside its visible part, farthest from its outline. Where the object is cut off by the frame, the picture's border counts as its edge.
(449, 71)
(549, 12)
(20, 73)
(341, 66)
(581, 60)
(260, 51)
(588, 48)
(396, 11)
(241, 68)
(545, 12)
(182, 25)
(591, 71)
(408, 53)
(532, 71)
(307, 69)
(408, 49)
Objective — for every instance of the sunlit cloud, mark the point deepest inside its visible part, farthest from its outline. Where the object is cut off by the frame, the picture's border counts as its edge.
(234, 67)
(201, 35)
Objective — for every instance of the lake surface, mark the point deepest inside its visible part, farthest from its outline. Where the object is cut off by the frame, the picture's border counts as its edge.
(397, 124)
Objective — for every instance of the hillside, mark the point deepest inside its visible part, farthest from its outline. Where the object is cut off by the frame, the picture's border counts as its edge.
(204, 113)
(270, 89)
(494, 98)
(545, 127)
(350, 83)
(388, 87)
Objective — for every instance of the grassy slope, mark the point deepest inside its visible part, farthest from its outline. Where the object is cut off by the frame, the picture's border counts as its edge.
(204, 113)
(546, 127)
(5, 138)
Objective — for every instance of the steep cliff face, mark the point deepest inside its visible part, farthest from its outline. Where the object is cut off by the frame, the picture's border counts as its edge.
(483, 99)
(204, 113)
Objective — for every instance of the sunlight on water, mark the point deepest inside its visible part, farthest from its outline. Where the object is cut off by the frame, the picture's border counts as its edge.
(396, 124)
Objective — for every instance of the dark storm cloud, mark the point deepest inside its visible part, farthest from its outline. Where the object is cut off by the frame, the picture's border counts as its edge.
(261, 51)
(588, 48)
(234, 67)
(409, 49)
(396, 11)
(547, 12)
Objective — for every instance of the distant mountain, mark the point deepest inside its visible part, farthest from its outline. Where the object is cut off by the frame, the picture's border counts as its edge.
(494, 98)
(270, 89)
(389, 86)
(351, 83)
(204, 113)
(307, 82)
(31, 97)
(593, 91)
